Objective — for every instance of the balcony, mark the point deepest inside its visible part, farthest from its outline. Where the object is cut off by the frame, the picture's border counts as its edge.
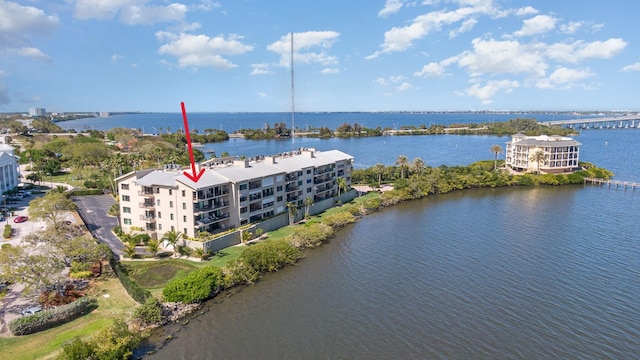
(149, 219)
(146, 194)
(147, 205)
(215, 206)
(206, 220)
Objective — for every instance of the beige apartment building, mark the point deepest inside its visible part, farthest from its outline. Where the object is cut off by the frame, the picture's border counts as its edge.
(230, 193)
(561, 153)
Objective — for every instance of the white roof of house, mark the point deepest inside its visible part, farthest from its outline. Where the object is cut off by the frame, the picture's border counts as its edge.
(158, 177)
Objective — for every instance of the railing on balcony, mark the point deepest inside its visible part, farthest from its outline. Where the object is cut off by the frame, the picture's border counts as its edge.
(147, 205)
(148, 218)
(206, 220)
(220, 205)
(291, 188)
(146, 193)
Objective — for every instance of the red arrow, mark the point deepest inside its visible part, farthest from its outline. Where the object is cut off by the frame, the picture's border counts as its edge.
(195, 176)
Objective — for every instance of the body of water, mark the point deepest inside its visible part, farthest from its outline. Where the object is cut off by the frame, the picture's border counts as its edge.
(510, 273)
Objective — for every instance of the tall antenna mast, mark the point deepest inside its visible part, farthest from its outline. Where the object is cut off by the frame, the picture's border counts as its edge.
(293, 123)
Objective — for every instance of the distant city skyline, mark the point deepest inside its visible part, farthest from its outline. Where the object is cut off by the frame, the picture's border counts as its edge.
(393, 55)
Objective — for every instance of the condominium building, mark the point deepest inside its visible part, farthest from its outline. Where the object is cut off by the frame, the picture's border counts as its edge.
(230, 193)
(560, 153)
(37, 112)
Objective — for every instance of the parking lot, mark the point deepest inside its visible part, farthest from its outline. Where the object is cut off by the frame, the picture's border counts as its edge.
(14, 302)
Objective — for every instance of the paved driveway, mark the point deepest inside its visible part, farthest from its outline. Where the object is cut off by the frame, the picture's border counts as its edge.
(94, 211)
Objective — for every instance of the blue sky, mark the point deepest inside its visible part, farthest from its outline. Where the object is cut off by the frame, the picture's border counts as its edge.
(350, 55)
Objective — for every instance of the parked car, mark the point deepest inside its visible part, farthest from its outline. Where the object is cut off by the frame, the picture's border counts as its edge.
(31, 311)
(20, 219)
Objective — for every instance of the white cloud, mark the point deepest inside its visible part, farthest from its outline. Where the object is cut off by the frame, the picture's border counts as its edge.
(30, 52)
(131, 12)
(580, 51)
(260, 69)
(632, 67)
(381, 81)
(571, 27)
(536, 25)
(503, 57)
(390, 7)
(404, 86)
(564, 77)
(303, 45)
(19, 22)
(487, 92)
(207, 5)
(197, 51)
(528, 10)
(115, 58)
(134, 15)
(466, 26)
(330, 71)
(431, 70)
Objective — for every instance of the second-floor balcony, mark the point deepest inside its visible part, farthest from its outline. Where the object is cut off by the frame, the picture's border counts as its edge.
(214, 206)
(147, 205)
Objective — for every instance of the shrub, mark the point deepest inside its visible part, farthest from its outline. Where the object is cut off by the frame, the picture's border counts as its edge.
(238, 273)
(84, 192)
(114, 342)
(79, 266)
(339, 219)
(372, 204)
(150, 312)
(7, 231)
(81, 274)
(198, 285)
(310, 236)
(117, 230)
(5, 246)
(270, 255)
(51, 318)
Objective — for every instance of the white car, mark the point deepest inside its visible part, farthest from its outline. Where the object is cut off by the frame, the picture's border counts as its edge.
(31, 311)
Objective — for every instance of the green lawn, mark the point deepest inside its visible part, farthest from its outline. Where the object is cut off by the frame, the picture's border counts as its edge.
(47, 344)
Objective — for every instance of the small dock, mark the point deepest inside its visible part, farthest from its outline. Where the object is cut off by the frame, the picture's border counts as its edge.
(613, 183)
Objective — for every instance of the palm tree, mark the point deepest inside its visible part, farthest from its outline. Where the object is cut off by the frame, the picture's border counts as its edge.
(538, 157)
(379, 170)
(342, 185)
(418, 165)
(172, 237)
(403, 162)
(293, 211)
(153, 246)
(308, 203)
(495, 150)
(129, 250)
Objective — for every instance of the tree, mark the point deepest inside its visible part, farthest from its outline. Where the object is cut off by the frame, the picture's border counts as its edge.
(293, 211)
(538, 157)
(379, 170)
(129, 249)
(51, 206)
(418, 166)
(153, 246)
(342, 185)
(172, 237)
(403, 162)
(308, 203)
(34, 270)
(495, 150)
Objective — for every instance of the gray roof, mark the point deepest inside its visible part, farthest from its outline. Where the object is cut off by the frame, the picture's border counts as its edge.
(158, 177)
(255, 170)
(208, 179)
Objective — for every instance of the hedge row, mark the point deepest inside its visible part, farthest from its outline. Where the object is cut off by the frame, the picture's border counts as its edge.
(138, 294)
(84, 192)
(51, 318)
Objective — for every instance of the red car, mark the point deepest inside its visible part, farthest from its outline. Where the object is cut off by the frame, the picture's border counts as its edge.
(20, 219)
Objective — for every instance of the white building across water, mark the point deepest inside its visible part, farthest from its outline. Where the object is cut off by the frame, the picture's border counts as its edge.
(230, 193)
(560, 153)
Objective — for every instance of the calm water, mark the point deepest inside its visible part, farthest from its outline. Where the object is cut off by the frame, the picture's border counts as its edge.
(522, 273)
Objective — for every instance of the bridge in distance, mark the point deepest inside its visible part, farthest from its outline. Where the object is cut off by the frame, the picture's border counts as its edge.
(626, 121)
